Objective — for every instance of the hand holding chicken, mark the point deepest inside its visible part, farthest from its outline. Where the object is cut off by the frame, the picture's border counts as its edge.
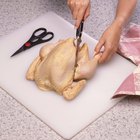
(55, 69)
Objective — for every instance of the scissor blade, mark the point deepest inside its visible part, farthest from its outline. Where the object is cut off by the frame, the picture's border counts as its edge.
(78, 40)
(18, 51)
(80, 29)
(77, 44)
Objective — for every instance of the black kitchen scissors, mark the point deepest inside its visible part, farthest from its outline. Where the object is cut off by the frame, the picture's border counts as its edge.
(40, 35)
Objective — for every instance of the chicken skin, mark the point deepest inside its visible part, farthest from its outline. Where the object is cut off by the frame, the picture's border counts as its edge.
(55, 68)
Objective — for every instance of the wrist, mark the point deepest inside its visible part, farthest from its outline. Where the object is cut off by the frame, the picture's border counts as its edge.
(119, 21)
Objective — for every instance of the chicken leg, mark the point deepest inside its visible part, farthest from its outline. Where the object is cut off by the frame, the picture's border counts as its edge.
(85, 67)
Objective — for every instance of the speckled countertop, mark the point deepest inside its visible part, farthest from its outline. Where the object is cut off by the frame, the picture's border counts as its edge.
(122, 122)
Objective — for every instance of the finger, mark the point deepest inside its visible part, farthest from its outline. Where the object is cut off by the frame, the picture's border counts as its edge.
(87, 13)
(106, 54)
(112, 53)
(80, 16)
(99, 46)
(75, 12)
(71, 5)
(110, 56)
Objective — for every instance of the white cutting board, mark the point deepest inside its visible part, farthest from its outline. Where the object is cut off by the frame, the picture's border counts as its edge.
(67, 118)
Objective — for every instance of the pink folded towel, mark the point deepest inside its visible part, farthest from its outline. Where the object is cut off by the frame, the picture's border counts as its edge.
(130, 43)
(130, 86)
(130, 48)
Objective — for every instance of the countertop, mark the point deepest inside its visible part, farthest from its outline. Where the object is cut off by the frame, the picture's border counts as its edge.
(18, 123)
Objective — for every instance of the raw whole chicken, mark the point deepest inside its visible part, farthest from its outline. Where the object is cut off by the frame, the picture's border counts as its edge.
(55, 68)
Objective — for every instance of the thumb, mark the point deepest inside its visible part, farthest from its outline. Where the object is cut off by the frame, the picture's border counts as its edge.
(99, 46)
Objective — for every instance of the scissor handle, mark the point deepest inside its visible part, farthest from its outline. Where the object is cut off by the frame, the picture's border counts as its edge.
(37, 39)
(41, 34)
(48, 35)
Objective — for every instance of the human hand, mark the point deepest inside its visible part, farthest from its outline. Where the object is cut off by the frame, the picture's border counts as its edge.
(109, 41)
(80, 9)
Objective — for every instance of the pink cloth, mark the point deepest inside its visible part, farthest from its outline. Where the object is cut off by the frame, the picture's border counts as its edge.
(130, 48)
(130, 43)
(131, 85)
